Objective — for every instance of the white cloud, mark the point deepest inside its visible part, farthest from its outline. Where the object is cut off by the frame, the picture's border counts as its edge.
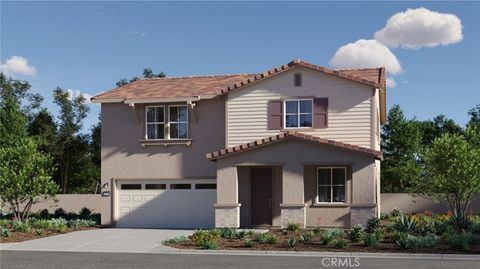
(420, 27)
(366, 53)
(17, 65)
(391, 82)
(137, 33)
(76, 93)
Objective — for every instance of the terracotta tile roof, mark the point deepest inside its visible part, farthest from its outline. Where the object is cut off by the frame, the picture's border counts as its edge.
(174, 87)
(286, 135)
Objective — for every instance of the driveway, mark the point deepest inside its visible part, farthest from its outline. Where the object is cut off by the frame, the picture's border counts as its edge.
(102, 240)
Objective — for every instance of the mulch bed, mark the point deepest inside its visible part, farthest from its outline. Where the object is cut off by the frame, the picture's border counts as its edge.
(316, 246)
(20, 237)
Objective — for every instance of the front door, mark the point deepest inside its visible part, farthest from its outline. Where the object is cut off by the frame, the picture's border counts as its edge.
(262, 196)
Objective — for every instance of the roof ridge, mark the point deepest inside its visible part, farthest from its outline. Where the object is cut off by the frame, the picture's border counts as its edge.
(366, 68)
(202, 76)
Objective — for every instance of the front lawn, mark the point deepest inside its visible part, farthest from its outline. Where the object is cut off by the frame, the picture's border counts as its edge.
(420, 233)
(44, 224)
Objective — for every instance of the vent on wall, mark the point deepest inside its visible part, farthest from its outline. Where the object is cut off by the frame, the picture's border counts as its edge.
(297, 80)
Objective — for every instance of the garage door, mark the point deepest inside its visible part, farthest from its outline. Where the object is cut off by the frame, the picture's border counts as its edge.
(165, 204)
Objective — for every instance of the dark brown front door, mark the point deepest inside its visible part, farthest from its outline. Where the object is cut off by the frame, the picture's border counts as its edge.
(261, 196)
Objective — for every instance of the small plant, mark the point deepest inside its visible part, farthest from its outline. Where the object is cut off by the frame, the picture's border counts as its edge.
(284, 231)
(204, 237)
(262, 237)
(340, 243)
(316, 230)
(370, 240)
(39, 232)
(272, 239)
(4, 222)
(326, 237)
(40, 224)
(85, 212)
(395, 213)
(4, 232)
(177, 239)
(357, 233)
(44, 214)
(384, 216)
(59, 213)
(21, 226)
(247, 243)
(428, 241)
(209, 245)
(306, 237)
(372, 224)
(293, 227)
(292, 242)
(475, 228)
(241, 234)
(461, 241)
(228, 233)
(460, 222)
(379, 233)
(406, 224)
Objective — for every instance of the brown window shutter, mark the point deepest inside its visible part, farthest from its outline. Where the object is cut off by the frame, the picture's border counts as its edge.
(275, 114)
(320, 113)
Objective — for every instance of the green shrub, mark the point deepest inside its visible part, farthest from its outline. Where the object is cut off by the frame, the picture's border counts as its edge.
(428, 241)
(40, 224)
(228, 233)
(475, 228)
(326, 237)
(461, 241)
(293, 227)
(85, 212)
(292, 242)
(406, 224)
(4, 222)
(306, 237)
(19, 226)
(247, 243)
(372, 224)
(262, 237)
(39, 231)
(44, 214)
(241, 234)
(284, 231)
(59, 213)
(406, 241)
(357, 233)
(202, 237)
(370, 240)
(272, 239)
(460, 221)
(427, 226)
(379, 233)
(4, 232)
(395, 213)
(54, 223)
(316, 229)
(384, 216)
(340, 243)
(209, 245)
(177, 239)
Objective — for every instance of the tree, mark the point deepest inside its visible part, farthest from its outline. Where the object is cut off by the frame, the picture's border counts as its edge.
(72, 113)
(147, 73)
(431, 129)
(401, 149)
(453, 170)
(19, 90)
(25, 172)
(43, 128)
(474, 114)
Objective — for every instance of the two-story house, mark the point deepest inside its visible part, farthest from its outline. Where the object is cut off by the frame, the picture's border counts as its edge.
(298, 143)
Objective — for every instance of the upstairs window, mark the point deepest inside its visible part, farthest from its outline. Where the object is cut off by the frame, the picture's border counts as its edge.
(298, 113)
(155, 123)
(178, 122)
(297, 80)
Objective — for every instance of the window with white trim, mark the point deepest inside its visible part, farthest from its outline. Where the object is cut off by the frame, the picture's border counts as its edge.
(331, 184)
(155, 122)
(178, 122)
(298, 113)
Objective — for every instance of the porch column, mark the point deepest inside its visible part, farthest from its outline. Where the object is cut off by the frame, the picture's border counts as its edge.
(227, 208)
(293, 209)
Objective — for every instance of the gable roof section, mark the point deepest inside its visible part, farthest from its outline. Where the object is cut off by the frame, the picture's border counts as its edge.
(211, 86)
(213, 156)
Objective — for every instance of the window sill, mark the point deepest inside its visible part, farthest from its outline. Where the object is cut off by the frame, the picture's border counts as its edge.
(330, 205)
(298, 129)
(166, 142)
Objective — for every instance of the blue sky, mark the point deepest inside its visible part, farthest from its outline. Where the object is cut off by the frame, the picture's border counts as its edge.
(87, 46)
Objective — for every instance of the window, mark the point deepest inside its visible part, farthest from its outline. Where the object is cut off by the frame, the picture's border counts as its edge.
(178, 122)
(180, 186)
(131, 186)
(298, 113)
(155, 186)
(206, 186)
(331, 183)
(155, 123)
(297, 80)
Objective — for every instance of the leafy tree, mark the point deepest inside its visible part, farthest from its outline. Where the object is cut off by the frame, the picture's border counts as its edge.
(401, 147)
(147, 73)
(19, 90)
(25, 172)
(453, 170)
(44, 129)
(431, 129)
(72, 113)
(474, 115)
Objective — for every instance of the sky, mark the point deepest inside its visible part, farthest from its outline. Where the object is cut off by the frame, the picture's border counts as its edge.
(431, 49)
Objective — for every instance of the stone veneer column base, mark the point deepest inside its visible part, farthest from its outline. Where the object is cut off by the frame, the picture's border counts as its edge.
(293, 213)
(360, 214)
(227, 215)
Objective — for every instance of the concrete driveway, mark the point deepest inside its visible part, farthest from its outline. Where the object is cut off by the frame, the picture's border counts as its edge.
(102, 240)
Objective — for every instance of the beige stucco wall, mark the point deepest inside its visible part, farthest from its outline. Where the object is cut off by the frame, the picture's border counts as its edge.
(349, 115)
(296, 157)
(123, 157)
(409, 203)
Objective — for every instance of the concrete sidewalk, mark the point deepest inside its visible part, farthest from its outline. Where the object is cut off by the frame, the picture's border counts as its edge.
(102, 240)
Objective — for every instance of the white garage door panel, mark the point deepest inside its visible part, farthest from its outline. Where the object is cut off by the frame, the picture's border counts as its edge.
(168, 208)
